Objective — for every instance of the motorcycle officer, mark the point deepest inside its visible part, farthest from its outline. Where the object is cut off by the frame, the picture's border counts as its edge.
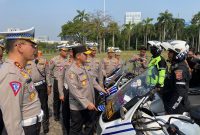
(157, 66)
(177, 83)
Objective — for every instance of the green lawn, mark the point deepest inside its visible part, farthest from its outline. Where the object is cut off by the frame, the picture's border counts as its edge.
(126, 55)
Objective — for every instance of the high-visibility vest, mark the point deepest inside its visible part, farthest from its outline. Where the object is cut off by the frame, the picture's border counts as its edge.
(156, 74)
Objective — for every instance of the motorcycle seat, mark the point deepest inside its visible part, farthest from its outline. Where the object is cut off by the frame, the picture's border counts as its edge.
(195, 113)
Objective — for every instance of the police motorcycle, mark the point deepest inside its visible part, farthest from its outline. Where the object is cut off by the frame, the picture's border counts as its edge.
(118, 77)
(128, 112)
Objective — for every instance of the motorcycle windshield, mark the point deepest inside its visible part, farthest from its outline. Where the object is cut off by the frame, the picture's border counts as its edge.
(132, 92)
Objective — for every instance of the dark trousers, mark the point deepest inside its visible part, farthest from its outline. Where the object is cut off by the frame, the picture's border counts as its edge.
(1, 123)
(33, 129)
(56, 100)
(43, 96)
(66, 110)
(176, 103)
(80, 118)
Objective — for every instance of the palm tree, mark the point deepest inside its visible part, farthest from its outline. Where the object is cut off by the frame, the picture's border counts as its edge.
(82, 16)
(138, 31)
(113, 28)
(196, 21)
(190, 34)
(147, 28)
(165, 19)
(128, 30)
(178, 26)
(98, 20)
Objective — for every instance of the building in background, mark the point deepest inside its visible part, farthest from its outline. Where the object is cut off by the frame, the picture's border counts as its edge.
(133, 17)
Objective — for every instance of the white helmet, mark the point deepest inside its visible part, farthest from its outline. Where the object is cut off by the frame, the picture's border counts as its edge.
(178, 46)
(157, 45)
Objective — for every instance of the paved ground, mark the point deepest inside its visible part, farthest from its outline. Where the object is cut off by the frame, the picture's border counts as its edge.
(55, 128)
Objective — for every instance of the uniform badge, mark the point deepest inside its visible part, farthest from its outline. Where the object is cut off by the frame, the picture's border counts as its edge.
(32, 88)
(32, 96)
(87, 67)
(25, 75)
(179, 74)
(84, 77)
(83, 82)
(15, 87)
(29, 71)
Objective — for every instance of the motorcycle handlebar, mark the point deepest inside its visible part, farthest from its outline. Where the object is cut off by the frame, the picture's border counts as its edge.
(183, 119)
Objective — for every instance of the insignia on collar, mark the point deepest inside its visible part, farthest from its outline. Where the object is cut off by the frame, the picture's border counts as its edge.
(15, 87)
(18, 65)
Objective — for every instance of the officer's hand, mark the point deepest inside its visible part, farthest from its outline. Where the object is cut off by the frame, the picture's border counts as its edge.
(108, 90)
(105, 91)
(61, 98)
(91, 106)
(49, 90)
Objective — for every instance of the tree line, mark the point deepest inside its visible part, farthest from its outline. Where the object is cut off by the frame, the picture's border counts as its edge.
(106, 32)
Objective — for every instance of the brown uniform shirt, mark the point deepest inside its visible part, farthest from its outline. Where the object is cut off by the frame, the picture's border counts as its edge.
(108, 65)
(1, 62)
(56, 66)
(81, 87)
(61, 76)
(39, 70)
(93, 65)
(18, 99)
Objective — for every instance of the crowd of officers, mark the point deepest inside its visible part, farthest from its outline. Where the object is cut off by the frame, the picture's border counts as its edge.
(76, 76)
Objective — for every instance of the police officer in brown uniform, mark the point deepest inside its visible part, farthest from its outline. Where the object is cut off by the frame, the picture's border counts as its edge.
(139, 61)
(119, 60)
(1, 62)
(109, 63)
(56, 66)
(19, 100)
(1, 52)
(93, 64)
(38, 69)
(81, 94)
(64, 90)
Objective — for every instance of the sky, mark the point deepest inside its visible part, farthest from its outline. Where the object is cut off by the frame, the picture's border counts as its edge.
(47, 16)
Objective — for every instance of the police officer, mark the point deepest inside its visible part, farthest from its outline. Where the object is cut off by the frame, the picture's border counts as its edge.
(81, 94)
(157, 66)
(64, 90)
(56, 66)
(119, 60)
(1, 52)
(109, 63)
(139, 61)
(38, 69)
(177, 84)
(1, 62)
(19, 100)
(93, 64)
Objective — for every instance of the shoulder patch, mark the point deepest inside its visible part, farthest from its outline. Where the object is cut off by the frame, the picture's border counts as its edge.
(179, 74)
(16, 86)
